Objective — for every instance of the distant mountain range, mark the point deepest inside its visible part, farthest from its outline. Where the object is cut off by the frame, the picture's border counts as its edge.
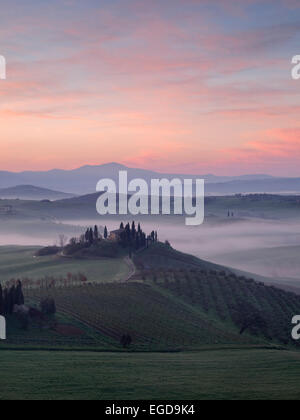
(30, 192)
(271, 185)
(84, 179)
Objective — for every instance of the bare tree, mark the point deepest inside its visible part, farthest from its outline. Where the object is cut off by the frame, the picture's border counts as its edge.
(62, 240)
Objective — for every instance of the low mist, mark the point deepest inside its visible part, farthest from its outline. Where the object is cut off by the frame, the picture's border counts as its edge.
(268, 248)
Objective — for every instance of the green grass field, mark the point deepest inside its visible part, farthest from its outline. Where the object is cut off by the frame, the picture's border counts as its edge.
(19, 262)
(222, 374)
(180, 313)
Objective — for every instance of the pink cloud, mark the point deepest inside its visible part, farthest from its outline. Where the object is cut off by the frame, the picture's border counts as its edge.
(148, 88)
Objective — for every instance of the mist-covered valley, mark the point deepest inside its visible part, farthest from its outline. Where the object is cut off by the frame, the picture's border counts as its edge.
(265, 247)
(256, 233)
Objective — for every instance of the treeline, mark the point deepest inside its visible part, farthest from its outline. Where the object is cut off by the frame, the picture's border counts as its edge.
(92, 235)
(134, 237)
(10, 297)
(128, 235)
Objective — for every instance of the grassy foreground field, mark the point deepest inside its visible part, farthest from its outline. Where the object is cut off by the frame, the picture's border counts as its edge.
(221, 374)
(19, 262)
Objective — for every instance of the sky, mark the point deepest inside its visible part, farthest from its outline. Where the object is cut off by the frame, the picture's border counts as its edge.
(190, 86)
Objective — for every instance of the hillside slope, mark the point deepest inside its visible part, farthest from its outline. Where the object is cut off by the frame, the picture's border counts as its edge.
(173, 301)
(153, 320)
(21, 263)
(263, 310)
(31, 192)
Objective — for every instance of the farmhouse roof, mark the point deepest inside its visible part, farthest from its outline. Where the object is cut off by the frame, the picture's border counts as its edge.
(117, 231)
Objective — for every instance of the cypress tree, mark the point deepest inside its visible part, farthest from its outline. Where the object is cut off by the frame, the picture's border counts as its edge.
(96, 233)
(19, 297)
(91, 236)
(128, 233)
(11, 300)
(105, 233)
(133, 230)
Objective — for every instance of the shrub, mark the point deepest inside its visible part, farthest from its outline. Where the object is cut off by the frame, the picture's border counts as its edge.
(48, 250)
(48, 306)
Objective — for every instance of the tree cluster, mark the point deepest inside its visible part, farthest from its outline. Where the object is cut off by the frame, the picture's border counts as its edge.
(134, 237)
(10, 297)
(126, 340)
(130, 236)
(91, 235)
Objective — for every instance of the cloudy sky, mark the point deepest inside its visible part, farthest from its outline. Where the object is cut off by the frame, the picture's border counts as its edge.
(192, 86)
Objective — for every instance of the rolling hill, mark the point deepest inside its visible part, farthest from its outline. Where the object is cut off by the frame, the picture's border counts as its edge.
(173, 301)
(198, 330)
(21, 262)
(30, 192)
(267, 185)
(264, 206)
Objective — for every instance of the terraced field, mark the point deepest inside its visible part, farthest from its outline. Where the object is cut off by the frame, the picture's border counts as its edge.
(267, 311)
(45, 338)
(264, 311)
(153, 320)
